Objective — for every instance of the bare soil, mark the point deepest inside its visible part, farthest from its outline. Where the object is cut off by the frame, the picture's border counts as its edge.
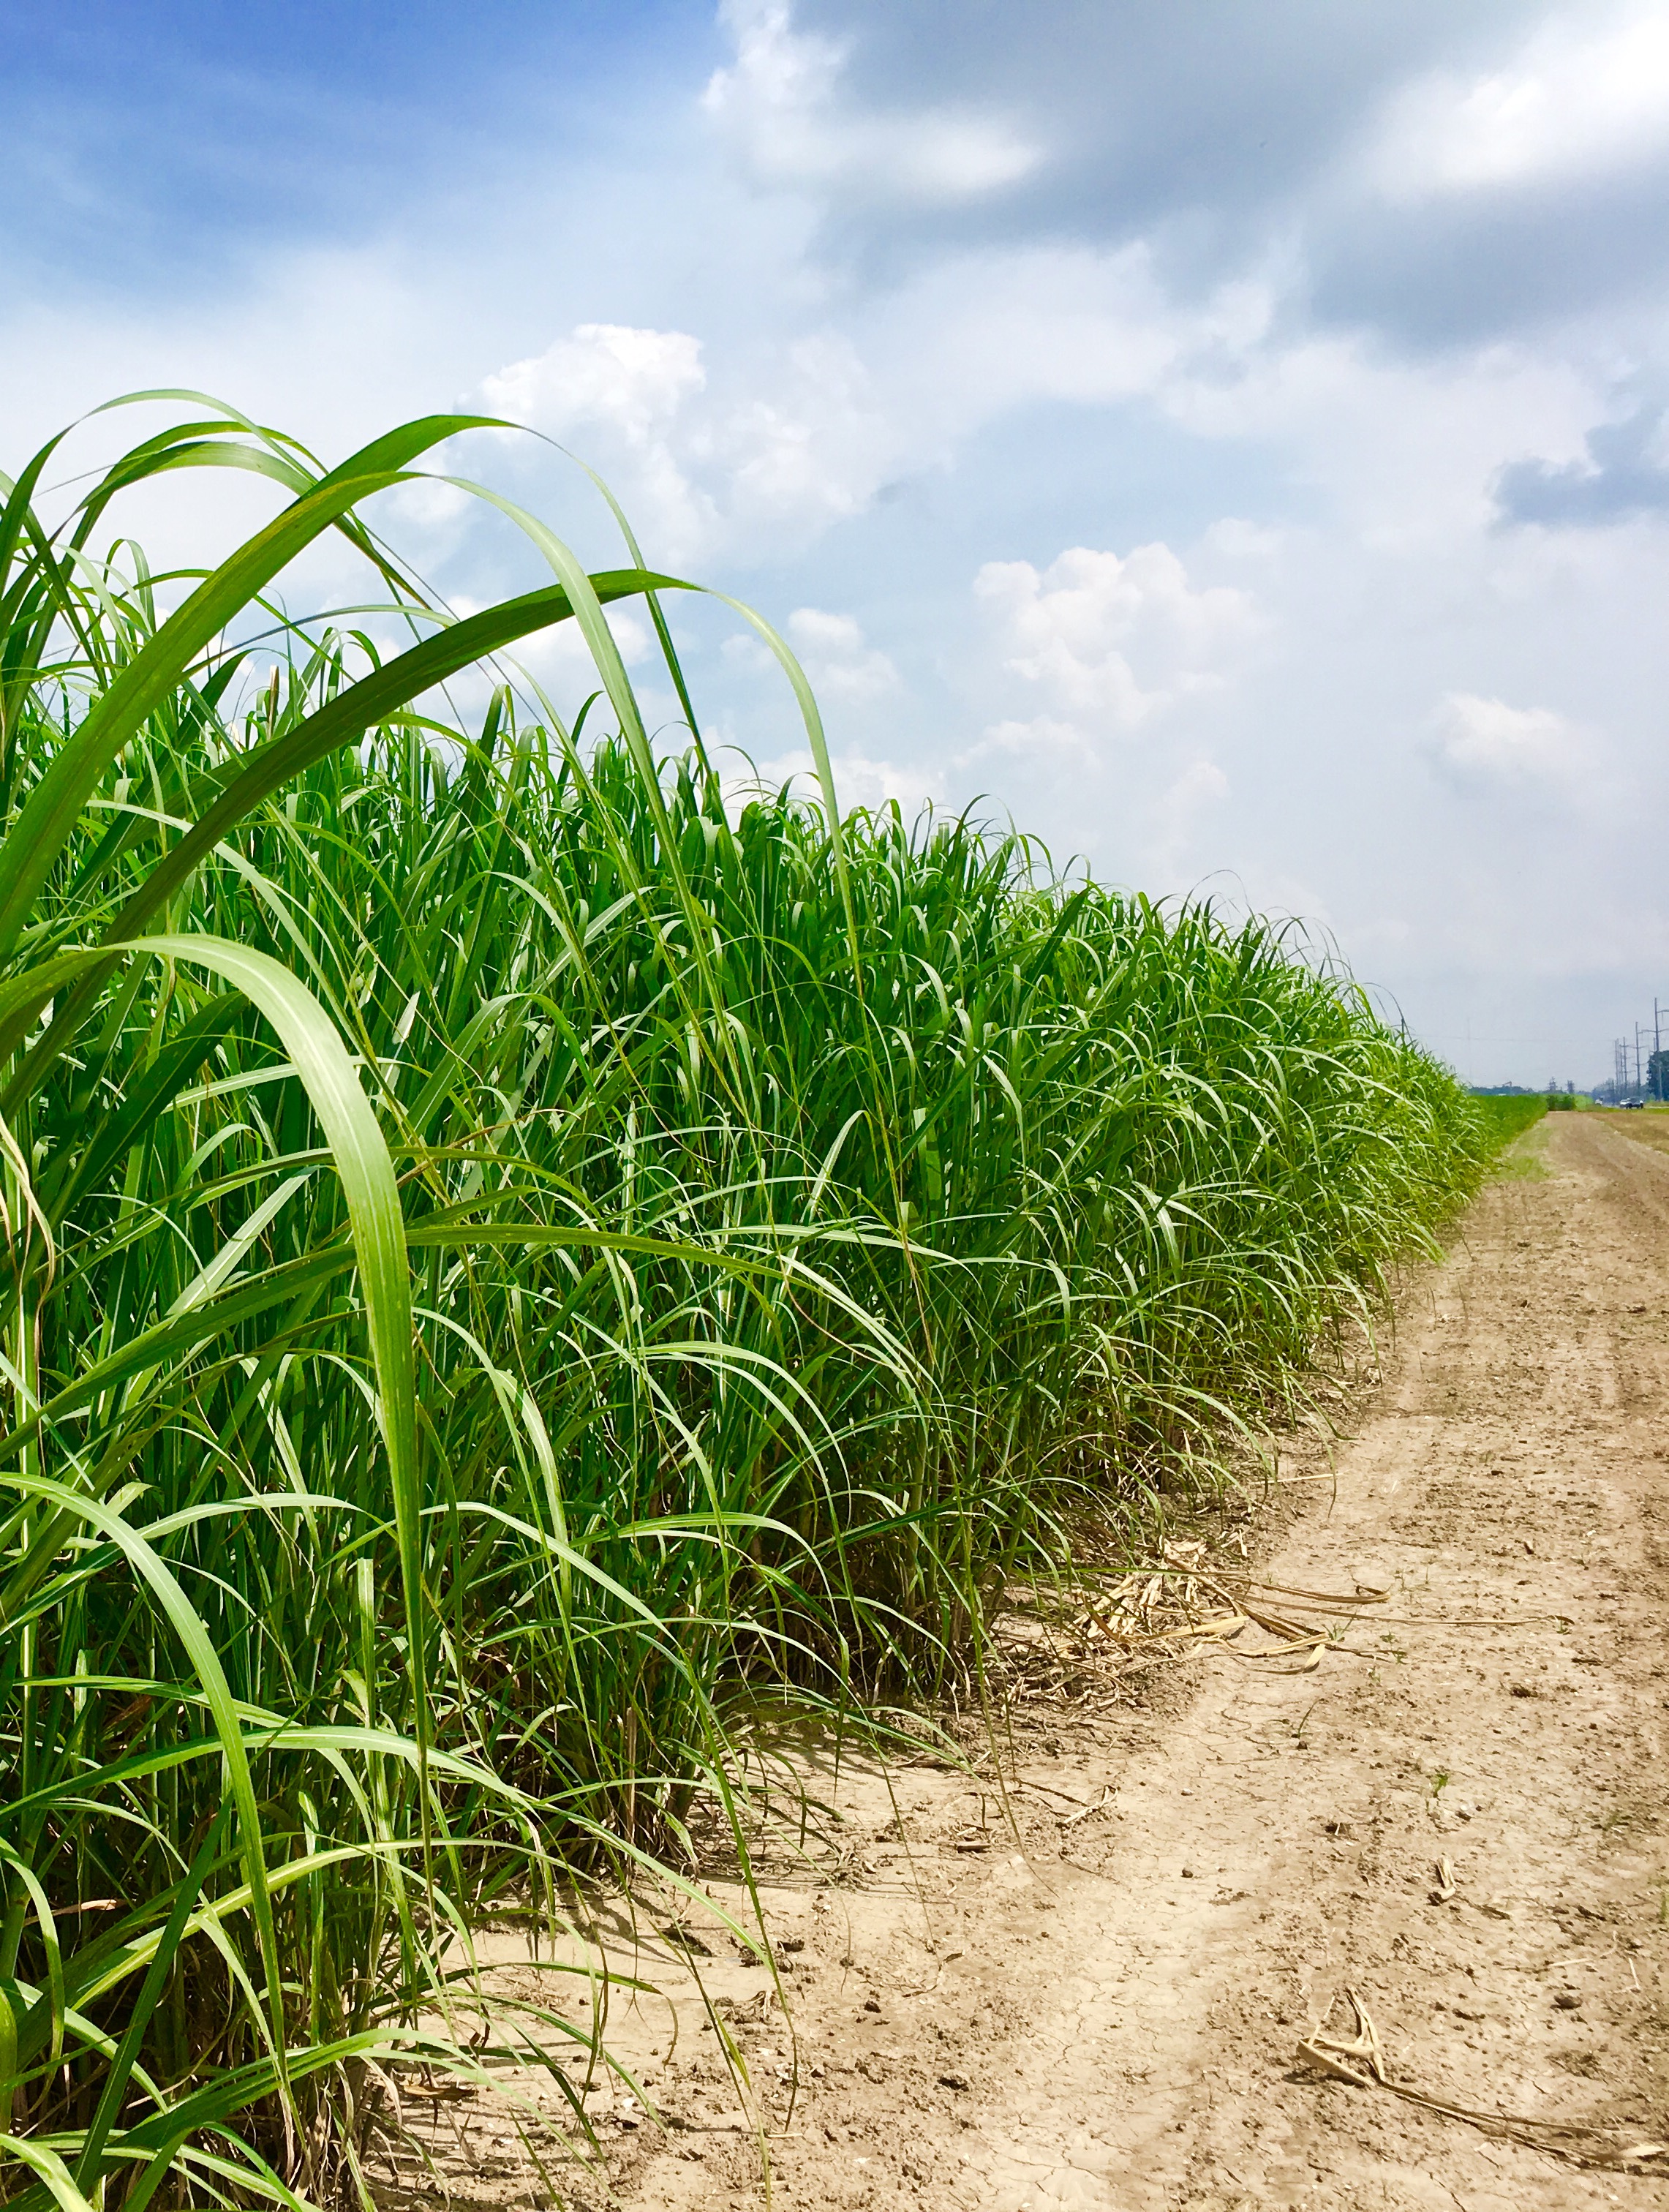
(1077, 1975)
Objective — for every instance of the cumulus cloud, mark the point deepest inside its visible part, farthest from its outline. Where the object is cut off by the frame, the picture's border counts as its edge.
(1103, 642)
(1114, 668)
(623, 393)
(1484, 742)
(781, 105)
(709, 446)
(812, 447)
(837, 658)
(634, 382)
(789, 444)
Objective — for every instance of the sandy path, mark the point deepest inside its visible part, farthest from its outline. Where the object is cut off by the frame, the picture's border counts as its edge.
(1108, 2016)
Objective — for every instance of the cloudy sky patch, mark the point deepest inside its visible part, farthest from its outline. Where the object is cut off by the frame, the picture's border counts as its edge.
(1230, 442)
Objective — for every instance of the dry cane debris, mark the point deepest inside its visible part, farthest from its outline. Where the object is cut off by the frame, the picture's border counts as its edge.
(1184, 1598)
(1361, 2061)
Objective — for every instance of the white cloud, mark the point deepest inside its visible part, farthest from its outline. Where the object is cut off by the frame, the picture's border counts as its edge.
(976, 333)
(709, 447)
(1485, 741)
(430, 506)
(781, 104)
(1577, 100)
(839, 662)
(1407, 452)
(560, 659)
(784, 444)
(634, 380)
(622, 395)
(811, 448)
(1201, 785)
(1044, 738)
(1237, 539)
(1104, 642)
(1095, 650)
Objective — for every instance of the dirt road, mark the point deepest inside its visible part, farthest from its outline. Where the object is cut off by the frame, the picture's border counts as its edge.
(1104, 2013)
(1095, 1998)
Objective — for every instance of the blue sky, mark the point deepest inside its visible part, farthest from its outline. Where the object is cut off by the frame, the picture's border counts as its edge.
(165, 144)
(1230, 440)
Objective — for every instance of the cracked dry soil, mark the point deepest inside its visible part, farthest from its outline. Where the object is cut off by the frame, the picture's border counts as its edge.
(1102, 2008)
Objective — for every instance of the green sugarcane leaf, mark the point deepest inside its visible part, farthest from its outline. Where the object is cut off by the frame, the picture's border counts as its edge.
(31, 846)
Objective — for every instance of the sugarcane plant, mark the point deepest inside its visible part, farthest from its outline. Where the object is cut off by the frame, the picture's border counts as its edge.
(218, 1664)
(523, 1253)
